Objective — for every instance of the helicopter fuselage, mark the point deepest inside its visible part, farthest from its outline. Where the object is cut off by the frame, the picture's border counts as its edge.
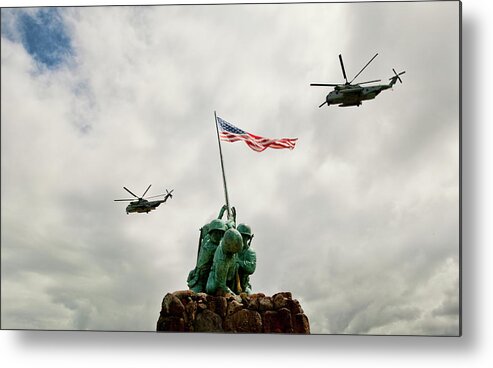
(143, 206)
(353, 95)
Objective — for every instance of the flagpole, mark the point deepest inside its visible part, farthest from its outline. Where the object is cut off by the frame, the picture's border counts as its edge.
(222, 164)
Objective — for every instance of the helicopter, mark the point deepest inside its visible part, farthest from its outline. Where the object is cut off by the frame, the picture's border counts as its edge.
(142, 204)
(348, 94)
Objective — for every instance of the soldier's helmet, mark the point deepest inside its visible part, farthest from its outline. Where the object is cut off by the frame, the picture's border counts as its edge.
(216, 224)
(244, 229)
(232, 241)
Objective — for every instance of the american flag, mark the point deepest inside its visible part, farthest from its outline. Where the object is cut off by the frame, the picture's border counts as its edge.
(229, 133)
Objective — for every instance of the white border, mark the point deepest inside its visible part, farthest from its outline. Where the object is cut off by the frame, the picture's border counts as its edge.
(473, 349)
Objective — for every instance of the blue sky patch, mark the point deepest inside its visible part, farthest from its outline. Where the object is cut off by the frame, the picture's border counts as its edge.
(42, 33)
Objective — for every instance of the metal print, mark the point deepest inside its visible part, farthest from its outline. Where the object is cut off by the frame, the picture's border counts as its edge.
(232, 168)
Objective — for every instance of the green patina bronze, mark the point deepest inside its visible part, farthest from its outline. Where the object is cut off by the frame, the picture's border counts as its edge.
(210, 237)
(224, 263)
(225, 259)
(246, 261)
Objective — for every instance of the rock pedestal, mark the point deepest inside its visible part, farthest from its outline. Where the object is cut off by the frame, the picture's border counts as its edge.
(186, 311)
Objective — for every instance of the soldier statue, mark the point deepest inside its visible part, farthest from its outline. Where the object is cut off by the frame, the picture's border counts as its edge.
(210, 237)
(246, 262)
(223, 265)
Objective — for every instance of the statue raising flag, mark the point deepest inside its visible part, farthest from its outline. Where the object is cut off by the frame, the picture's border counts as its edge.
(229, 133)
(224, 258)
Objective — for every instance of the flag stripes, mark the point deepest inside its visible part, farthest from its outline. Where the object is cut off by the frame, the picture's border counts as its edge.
(229, 133)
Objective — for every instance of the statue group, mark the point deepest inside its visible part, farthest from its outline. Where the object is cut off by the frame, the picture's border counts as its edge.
(225, 260)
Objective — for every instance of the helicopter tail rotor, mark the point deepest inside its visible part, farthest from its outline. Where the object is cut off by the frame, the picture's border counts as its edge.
(396, 76)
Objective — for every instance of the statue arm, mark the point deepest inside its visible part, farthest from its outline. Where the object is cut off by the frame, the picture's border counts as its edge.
(249, 263)
(231, 220)
(221, 212)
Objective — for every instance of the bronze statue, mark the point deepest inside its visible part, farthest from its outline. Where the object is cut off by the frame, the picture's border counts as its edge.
(210, 237)
(246, 262)
(223, 265)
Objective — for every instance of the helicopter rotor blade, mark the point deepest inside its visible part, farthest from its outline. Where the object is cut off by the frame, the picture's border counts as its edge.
(368, 63)
(164, 194)
(121, 200)
(372, 81)
(325, 84)
(146, 191)
(160, 195)
(130, 192)
(342, 67)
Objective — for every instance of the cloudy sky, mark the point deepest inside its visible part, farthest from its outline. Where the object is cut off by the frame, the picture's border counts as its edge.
(360, 221)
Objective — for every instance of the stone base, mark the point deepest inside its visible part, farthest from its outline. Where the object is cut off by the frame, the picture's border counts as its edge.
(186, 311)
